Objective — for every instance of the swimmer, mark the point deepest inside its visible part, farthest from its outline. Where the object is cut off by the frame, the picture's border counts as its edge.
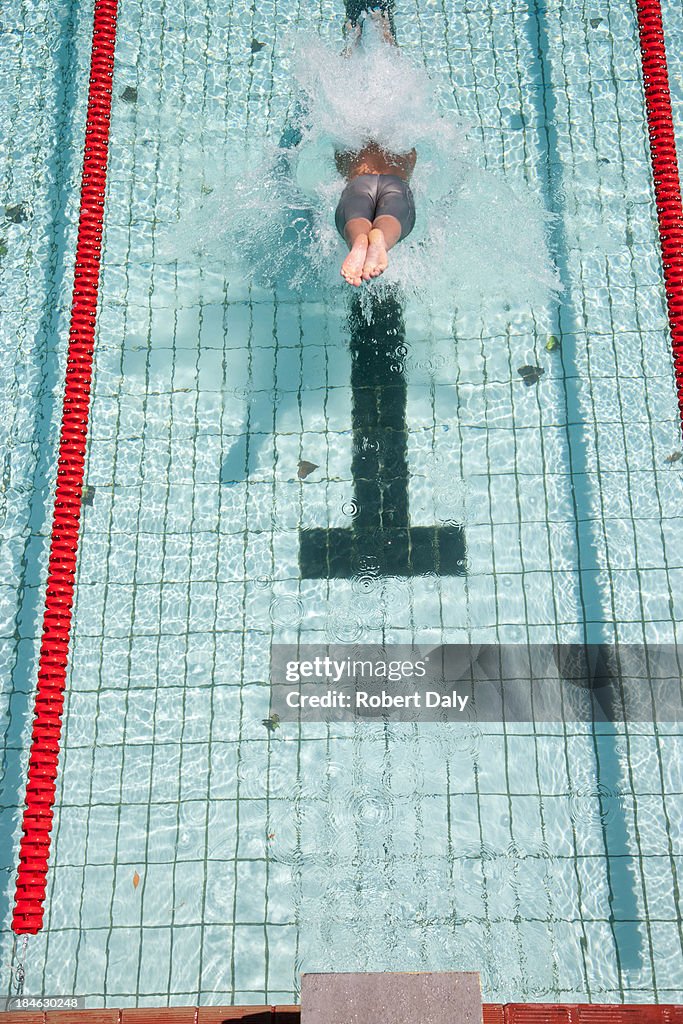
(376, 208)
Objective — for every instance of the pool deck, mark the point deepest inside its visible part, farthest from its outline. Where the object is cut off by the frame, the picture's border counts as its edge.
(494, 1013)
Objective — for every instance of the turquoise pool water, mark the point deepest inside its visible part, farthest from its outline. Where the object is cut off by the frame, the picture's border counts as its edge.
(548, 858)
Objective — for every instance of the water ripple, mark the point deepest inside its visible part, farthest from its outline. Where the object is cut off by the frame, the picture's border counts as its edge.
(344, 626)
(351, 508)
(593, 807)
(365, 582)
(286, 611)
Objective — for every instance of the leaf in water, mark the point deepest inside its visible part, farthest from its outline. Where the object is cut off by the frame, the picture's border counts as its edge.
(136, 880)
(530, 374)
(596, 21)
(552, 343)
(88, 494)
(271, 723)
(256, 46)
(305, 469)
(674, 457)
(130, 94)
(18, 213)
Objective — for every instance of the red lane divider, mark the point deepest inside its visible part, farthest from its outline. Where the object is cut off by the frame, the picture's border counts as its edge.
(42, 772)
(664, 171)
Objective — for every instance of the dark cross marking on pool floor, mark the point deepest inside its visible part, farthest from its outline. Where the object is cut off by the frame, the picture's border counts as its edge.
(381, 534)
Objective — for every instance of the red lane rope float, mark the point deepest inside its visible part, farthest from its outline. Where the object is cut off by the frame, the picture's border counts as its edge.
(49, 702)
(664, 171)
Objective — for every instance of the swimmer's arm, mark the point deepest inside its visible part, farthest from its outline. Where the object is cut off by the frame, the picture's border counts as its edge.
(290, 140)
(293, 131)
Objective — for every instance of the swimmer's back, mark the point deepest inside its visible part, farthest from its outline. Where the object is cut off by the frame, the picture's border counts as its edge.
(371, 159)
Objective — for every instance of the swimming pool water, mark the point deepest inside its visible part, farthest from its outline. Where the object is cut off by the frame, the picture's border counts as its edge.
(546, 857)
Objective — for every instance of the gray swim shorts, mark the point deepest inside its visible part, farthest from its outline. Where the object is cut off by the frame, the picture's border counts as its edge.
(372, 195)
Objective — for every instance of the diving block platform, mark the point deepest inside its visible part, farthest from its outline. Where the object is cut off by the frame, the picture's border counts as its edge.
(429, 997)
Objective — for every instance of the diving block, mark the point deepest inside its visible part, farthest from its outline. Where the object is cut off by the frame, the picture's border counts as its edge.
(429, 997)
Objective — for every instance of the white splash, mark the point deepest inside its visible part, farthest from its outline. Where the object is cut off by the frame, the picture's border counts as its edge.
(478, 241)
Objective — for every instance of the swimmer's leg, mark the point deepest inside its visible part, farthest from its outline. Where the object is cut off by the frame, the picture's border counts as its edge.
(381, 18)
(385, 233)
(352, 33)
(390, 228)
(356, 10)
(356, 232)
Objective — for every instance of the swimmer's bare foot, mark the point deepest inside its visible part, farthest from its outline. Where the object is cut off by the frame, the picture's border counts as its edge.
(352, 267)
(351, 32)
(381, 19)
(376, 260)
